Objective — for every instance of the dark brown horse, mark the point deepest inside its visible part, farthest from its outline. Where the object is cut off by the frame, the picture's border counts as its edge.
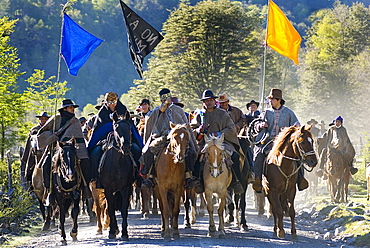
(293, 148)
(66, 185)
(338, 176)
(170, 178)
(117, 175)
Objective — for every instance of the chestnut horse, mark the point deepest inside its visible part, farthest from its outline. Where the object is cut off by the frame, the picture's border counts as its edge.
(338, 176)
(217, 177)
(293, 148)
(170, 178)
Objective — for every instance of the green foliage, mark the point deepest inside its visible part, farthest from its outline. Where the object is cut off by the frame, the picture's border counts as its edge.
(44, 94)
(13, 208)
(212, 45)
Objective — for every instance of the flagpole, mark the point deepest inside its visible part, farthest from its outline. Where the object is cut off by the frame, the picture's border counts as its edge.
(262, 84)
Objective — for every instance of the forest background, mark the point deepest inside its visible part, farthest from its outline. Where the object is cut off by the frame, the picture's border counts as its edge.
(217, 45)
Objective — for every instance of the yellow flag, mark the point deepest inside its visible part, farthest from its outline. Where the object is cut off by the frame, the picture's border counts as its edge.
(281, 35)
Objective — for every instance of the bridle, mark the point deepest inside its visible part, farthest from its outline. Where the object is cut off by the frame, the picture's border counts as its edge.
(301, 158)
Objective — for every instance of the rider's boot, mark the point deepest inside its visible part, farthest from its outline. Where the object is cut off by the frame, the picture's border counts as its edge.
(237, 187)
(86, 193)
(190, 180)
(148, 183)
(257, 185)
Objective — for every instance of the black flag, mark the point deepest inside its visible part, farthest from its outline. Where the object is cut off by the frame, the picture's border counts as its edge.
(142, 37)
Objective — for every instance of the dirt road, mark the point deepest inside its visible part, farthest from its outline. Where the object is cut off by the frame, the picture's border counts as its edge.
(145, 233)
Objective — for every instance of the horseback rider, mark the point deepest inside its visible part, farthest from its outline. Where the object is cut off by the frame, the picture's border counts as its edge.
(214, 120)
(102, 126)
(142, 110)
(314, 130)
(31, 155)
(235, 113)
(63, 127)
(274, 119)
(157, 127)
(336, 136)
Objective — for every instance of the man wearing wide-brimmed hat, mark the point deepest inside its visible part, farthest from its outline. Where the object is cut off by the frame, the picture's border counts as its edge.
(314, 130)
(275, 118)
(235, 113)
(63, 127)
(211, 120)
(157, 127)
(31, 154)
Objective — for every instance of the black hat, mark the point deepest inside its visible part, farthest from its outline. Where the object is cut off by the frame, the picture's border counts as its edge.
(164, 93)
(207, 94)
(82, 119)
(252, 102)
(43, 114)
(67, 103)
(144, 101)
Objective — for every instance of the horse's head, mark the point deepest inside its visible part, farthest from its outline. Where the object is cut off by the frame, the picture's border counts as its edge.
(179, 141)
(214, 149)
(122, 134)
(65, 158)
(304, 146)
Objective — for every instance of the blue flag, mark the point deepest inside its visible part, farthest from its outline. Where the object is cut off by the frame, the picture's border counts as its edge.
(77, 45)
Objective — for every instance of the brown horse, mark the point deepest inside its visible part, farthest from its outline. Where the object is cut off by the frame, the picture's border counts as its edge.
(100, 207)
(217, 177)
(338, 176)
(293, 148)
(170, 178)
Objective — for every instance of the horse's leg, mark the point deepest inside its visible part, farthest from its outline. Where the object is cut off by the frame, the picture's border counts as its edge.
(145, 194)
(211, 227)
(112, 214)
(237, 202)
(193, 197)
(292, 214)
(124, 211)
(98, 214)
(175, 213)
(260, 202)
(230, 207)
(165, 213)
(221, 207)
(74, 215)
(155, 202)
(187, 207)
(89, 207)
(243, 222)
(277, 212)
(62, 217)
(202, 206)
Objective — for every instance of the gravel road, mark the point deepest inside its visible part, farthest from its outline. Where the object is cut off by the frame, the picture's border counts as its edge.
(145, 233)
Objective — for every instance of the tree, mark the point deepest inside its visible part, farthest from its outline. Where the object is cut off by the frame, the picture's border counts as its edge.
(336, 47)
(12, 104)
(212, 45)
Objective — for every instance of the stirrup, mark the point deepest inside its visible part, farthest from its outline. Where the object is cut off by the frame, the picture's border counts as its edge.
(147, 184)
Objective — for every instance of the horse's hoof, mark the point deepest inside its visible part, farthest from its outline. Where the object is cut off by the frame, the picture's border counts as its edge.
(99, 232)
(201, 213)
(176, 236)
(46, 227)
(187, 225)
(212, 234)
(63, 242)
(155, 212)
(162, 234)
(281, 234)
(167, 237)
(73, 235)
(244, 228)
(112, 236)
(221, 235)
(212, 229)
(124, 238)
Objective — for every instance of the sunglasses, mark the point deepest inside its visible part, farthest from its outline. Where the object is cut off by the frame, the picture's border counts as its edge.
(110, 103)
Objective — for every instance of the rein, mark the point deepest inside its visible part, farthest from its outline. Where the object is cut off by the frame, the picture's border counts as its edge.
(302, 157)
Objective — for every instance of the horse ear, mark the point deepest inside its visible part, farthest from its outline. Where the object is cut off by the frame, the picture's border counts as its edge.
(172, 125)
(222, 137)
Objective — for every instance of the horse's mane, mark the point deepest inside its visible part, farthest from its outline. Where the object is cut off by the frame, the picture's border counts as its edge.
(280, 140)
(213, 140)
